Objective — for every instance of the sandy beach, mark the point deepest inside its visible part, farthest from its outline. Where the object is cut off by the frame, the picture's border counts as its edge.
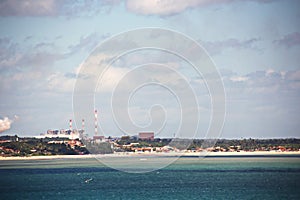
(127, 154)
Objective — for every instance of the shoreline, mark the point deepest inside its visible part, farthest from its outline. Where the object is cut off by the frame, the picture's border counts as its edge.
(129, 154)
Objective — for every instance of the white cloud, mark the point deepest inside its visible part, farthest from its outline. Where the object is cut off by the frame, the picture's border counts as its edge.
(166, 7)
(269, 72)
(87, 43)
(216, 47)
(263, 83)
(238, 78)
(33, 75)
(289, 40)
(13, 55)
(293, 75)
(111, 78)
(29, 7)
(5, 123)
(54, 8)
(171, 7)
(58, 82)
(69, 8)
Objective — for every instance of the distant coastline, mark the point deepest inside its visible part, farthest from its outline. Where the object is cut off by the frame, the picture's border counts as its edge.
(14, 147)
(126, 154)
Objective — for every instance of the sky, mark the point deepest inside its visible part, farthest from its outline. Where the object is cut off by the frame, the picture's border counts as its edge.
(254, 45)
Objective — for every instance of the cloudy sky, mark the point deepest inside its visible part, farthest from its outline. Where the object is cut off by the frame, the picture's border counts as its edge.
(255, 45)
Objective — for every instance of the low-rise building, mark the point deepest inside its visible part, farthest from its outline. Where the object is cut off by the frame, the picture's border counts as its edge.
(146, 136)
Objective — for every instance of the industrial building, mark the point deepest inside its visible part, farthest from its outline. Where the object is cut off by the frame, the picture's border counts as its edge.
(63, 133)
(70, 133)
(74, 134)
(146, 136)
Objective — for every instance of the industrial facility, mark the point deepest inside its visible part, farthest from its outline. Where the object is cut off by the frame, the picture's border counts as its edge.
(146, 136)
(74, 134)
(97, 143)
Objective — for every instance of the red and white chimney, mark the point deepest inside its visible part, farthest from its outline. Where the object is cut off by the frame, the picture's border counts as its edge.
(82, 124)
(70, 125)
(96, 123)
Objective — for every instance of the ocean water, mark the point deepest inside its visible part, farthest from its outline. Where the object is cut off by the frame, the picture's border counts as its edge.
(187, 178)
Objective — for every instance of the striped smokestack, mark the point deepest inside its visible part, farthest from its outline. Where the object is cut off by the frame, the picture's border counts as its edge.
(82, 124)
(96, 123)
(70, 125)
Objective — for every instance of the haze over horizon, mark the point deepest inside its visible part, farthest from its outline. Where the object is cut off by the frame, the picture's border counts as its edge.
(254, 44)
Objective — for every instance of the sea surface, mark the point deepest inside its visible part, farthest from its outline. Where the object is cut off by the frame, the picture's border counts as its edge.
(187, 178)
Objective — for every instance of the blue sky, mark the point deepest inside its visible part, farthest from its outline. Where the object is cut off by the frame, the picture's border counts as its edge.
(254, 44)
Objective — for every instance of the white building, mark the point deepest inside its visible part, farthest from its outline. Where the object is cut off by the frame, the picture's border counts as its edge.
(72, 135)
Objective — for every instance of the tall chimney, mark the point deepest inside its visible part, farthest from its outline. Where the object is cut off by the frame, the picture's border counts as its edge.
(82, 124)
(96, 123)
(70, 125)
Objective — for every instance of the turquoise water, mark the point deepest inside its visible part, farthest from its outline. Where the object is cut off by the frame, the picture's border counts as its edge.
(188, 178)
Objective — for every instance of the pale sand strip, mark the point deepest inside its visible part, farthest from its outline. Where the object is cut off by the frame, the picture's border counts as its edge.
(208, 154)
